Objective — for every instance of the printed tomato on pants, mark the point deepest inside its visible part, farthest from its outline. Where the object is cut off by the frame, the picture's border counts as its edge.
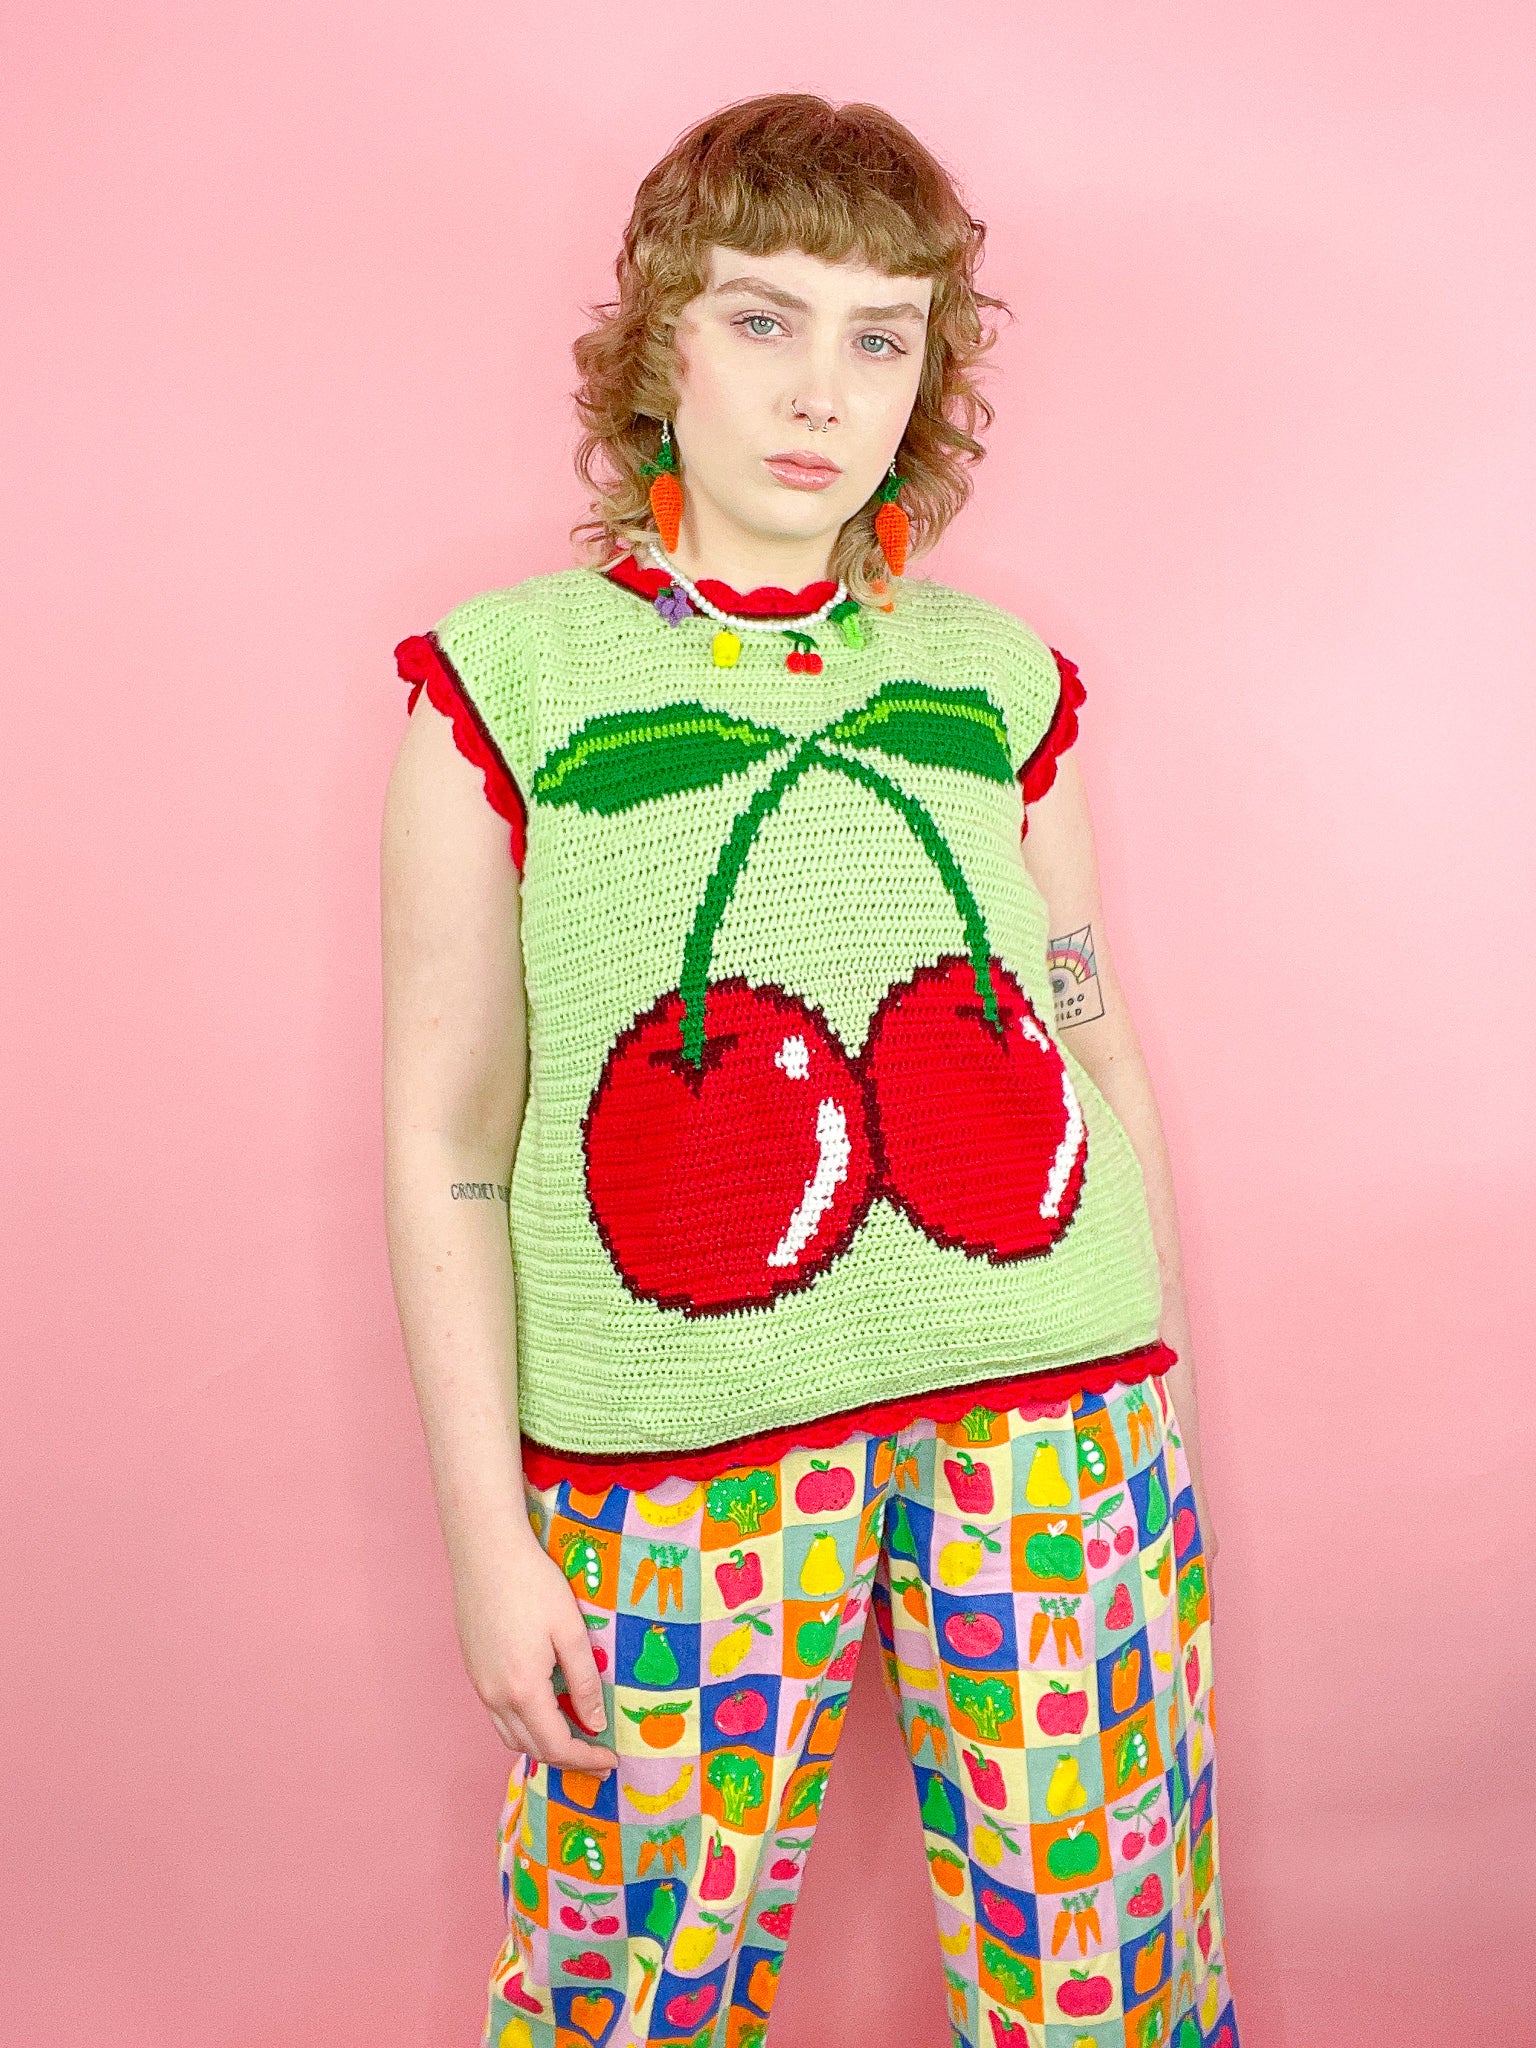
(1043, 1621)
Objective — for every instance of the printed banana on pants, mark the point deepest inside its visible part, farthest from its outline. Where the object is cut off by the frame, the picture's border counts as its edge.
(1043, 1618)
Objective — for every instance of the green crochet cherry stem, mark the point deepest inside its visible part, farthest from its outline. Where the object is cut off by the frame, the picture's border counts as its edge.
(936, 846)
(733, 858)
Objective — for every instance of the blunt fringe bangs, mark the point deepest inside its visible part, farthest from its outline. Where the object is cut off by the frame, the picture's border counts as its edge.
(782, 171)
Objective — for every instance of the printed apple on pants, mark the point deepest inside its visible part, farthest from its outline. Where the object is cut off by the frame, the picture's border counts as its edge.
(1082, 1991)
(1070, 1854)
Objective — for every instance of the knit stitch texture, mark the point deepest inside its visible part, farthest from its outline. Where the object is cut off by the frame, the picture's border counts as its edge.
(799, 1134)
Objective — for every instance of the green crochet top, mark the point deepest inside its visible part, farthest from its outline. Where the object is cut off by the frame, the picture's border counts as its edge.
(799, 1135)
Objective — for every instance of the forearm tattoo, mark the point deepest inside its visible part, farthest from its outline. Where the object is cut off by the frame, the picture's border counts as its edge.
(1075, 978)
(479, 1191)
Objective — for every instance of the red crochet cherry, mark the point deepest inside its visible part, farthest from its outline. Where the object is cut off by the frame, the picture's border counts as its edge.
(977, 1128)
(813, 663)
(724, 1184)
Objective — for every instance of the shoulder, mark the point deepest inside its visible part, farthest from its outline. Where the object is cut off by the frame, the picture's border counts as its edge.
(992, 645)
(977, 629)
(538, 606)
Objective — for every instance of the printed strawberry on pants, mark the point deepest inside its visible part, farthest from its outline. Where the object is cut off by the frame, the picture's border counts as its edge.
(1043, 1620)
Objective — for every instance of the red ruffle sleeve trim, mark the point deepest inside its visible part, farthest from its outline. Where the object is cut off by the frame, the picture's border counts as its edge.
(421, 662)
(1036, 1393)
(1039, 771)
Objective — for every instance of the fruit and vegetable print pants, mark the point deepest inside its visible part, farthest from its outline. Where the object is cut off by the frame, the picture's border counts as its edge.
(1043, 1618)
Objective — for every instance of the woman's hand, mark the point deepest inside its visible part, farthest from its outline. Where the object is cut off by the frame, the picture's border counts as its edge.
(517, 1618)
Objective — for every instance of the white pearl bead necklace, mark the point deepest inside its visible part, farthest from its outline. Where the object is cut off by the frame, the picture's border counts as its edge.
(740, 625)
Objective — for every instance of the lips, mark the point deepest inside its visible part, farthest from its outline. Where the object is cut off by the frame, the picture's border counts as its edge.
(803, 472)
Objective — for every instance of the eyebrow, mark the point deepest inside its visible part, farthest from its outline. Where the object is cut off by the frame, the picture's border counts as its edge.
(756, 287)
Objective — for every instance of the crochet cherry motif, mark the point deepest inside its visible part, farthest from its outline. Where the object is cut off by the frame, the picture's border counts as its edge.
(725, 1182)
(732, 1145)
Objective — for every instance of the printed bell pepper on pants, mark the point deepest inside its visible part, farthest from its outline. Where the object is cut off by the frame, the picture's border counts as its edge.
(1043, 1621)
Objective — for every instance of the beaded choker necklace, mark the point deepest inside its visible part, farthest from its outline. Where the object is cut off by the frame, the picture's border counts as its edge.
(680, 599)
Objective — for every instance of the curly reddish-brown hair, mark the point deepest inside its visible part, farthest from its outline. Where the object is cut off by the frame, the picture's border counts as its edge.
(786, 171)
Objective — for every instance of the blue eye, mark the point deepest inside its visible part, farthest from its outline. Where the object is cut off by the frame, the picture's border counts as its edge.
(891, 347)
(766, 318)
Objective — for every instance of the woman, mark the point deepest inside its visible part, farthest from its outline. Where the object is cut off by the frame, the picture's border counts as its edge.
(716, 949)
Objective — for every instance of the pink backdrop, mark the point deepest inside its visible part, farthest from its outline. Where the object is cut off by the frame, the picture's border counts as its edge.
(298, 285)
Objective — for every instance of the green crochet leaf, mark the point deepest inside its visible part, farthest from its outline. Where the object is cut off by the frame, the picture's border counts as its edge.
(627, 757)
(946, 728)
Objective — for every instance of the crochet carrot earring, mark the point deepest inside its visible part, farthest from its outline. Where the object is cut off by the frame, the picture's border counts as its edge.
(893, 529)
(666, 493)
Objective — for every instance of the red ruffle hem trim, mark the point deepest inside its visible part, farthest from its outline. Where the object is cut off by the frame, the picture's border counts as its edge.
(1036, 1393)
(1039, 771)
(768, 601)
(420, 660)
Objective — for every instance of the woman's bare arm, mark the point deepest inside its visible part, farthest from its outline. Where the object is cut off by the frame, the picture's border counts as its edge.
(1060, 855)
(455, 1083)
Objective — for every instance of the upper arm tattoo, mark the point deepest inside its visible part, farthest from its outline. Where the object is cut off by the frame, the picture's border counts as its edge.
(1075, 978)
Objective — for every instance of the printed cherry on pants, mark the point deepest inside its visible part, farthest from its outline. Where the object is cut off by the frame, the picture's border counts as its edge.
(732, 1144)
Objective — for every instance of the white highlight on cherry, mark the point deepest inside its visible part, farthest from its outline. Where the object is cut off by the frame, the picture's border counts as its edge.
(794, 1056)
(1072, 1137)
(831, 1170)
(1066, 1151)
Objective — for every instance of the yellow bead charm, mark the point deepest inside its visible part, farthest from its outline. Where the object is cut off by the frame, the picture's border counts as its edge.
(727, 648)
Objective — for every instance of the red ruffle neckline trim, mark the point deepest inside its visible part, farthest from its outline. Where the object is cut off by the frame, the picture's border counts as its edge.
(768, 601)
(421, 662)
(1037, 1394)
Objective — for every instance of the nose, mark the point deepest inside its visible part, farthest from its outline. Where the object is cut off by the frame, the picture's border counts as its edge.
(817, 417)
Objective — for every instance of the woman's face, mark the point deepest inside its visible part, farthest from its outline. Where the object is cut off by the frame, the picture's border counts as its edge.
(796, 378)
